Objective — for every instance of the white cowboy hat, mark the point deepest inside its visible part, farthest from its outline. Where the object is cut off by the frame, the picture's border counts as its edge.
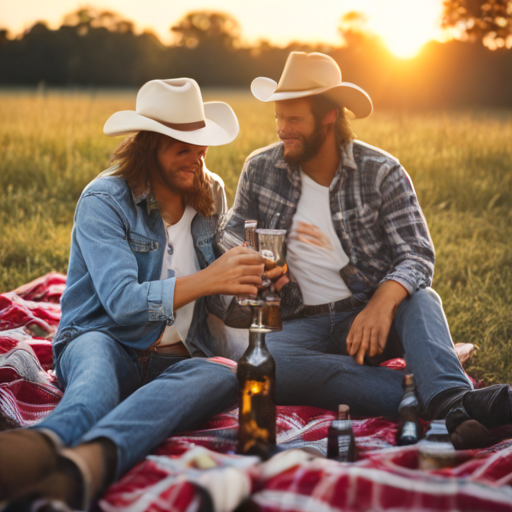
(175, 108)
(306, 74)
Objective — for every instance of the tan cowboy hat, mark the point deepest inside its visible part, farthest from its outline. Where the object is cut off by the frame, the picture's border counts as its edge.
(175, 108)
(306, 74)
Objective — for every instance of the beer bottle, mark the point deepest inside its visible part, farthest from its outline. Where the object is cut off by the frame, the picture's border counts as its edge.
(257, 407)
(341, 445)
(409, 430)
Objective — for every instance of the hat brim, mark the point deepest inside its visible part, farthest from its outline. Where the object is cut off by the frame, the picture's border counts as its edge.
(221, 126)
(345, 94)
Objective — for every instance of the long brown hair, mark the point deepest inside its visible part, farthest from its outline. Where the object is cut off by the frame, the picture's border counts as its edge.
(136, 160)
(321, 105)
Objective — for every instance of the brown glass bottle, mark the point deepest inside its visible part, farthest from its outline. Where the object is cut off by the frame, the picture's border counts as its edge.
(341, 444)
(409, 429)
(257, 407)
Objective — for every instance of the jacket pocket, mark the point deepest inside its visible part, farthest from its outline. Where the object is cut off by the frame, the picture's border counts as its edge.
(139, 243)
(205, 246)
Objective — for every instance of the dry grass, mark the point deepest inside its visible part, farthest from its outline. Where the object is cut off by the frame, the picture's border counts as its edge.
(460, 162)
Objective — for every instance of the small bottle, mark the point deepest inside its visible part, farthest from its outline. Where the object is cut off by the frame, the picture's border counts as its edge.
(409, 430)
(341, 444)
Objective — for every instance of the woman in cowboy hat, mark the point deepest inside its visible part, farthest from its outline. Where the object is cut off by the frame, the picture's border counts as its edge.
(142, 277)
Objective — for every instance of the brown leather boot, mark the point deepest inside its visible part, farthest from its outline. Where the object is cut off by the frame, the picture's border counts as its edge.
(82, 474)
(26, 456)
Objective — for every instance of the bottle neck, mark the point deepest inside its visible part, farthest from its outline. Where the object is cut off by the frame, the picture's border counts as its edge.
(257, 340)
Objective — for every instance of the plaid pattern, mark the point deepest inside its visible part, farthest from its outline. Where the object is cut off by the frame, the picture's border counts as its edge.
(375, 213)
(191, 468)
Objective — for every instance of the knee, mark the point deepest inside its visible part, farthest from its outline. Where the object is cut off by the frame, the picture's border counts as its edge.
(426, 298)
(215, 376)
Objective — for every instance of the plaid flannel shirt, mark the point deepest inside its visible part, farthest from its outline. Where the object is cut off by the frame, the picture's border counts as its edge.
(375, 213)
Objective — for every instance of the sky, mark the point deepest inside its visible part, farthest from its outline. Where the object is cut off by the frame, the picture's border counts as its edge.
(404, 25)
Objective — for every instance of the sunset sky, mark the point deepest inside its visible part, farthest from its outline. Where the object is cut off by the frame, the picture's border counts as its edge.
(404, 25)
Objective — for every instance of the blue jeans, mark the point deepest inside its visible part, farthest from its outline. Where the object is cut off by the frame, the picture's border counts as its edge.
(104, 397)
(313, 366)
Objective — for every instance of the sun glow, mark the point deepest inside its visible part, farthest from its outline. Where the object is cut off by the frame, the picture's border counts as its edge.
(406, 25)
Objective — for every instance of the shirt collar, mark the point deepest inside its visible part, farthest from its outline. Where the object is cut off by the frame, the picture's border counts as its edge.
(347, 160)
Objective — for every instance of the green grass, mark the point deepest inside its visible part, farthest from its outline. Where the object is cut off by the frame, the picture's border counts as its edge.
(51, 146)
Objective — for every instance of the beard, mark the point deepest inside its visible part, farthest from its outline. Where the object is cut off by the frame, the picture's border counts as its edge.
(310, 147)
(198, 195)
(170, 181)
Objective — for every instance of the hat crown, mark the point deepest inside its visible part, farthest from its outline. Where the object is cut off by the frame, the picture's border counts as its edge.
(305, 71)
(176, 101)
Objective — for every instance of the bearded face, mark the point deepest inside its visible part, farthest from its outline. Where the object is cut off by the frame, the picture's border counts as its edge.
(300, 132)
(181, 167)
(305, 147)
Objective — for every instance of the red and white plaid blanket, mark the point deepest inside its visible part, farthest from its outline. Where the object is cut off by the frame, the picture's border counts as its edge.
(175, 477)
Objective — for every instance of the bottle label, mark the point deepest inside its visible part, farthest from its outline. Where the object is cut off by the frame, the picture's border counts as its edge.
(409, 429)
(344, 445)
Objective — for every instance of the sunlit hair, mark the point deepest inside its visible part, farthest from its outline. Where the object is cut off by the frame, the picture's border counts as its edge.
(321, 105)
(136, 160)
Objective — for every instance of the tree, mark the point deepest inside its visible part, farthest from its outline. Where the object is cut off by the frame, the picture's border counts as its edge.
(85, 19)
(353, 29)
(217, 28)
(489, 21)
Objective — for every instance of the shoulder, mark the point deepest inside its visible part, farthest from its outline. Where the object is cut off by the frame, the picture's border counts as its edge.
(108, 185)
(366, 154)
(271, 154)
(218, 191)
(215, 180)
(376, 165)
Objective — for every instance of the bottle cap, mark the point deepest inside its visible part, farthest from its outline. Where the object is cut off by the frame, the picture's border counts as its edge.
(343, 412)
(409, 379)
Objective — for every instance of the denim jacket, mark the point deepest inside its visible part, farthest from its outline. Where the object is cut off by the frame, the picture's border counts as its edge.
(374, 209)
(114, 286)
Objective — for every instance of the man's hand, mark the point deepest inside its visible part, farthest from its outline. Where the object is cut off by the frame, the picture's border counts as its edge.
(237, 272)
(370, 329)
(311, 234)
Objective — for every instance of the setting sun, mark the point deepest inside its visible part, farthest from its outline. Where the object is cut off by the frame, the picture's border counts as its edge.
(405, 26)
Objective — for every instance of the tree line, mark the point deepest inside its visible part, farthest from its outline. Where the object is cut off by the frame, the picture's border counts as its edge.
(98, 49)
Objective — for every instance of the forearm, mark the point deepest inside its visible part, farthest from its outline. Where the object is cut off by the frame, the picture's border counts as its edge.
(388, 296)
(190, 288)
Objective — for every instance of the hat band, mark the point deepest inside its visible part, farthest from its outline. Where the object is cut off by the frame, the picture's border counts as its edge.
(185, 127)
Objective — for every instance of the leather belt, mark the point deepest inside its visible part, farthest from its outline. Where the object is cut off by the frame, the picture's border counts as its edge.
(175, 350)
(340, 306)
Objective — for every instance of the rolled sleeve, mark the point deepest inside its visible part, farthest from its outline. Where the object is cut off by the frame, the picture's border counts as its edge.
(407, 235)
(161, 300)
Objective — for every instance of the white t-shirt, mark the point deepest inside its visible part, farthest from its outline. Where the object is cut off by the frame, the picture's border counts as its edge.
(316, 269)
(183, 261)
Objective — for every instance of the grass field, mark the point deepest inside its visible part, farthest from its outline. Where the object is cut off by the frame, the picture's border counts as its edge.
(52, 145)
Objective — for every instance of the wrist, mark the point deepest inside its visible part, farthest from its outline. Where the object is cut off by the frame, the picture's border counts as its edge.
(207, 282)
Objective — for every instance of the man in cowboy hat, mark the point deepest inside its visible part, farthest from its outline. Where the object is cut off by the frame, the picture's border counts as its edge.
(142, 277)
(361, 262)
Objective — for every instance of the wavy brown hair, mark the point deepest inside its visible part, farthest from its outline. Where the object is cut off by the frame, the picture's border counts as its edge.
(321, 105)
(136, 160)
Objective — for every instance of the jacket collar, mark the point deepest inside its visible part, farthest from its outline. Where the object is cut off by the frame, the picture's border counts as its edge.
(148, 196)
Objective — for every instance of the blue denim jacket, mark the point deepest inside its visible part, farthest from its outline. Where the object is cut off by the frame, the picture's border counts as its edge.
(114, 285)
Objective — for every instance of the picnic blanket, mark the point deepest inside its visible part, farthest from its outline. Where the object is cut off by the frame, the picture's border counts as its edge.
(191, 469)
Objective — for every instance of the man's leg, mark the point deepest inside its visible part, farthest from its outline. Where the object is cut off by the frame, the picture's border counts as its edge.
(311, 370)
(442, 385)
(422, 327)
(97, 374)
(183, 397)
